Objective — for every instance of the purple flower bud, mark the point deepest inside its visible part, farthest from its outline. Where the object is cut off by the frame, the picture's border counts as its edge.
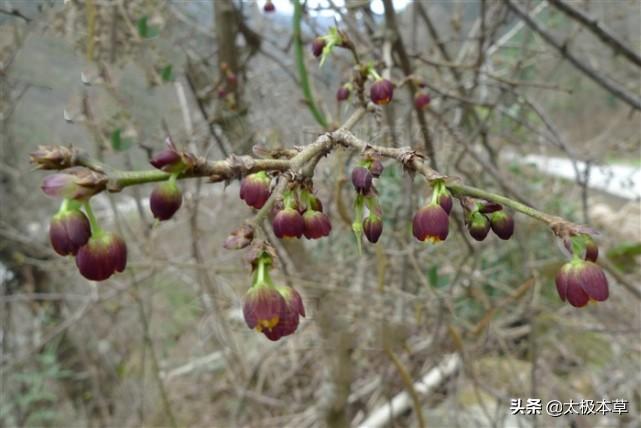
(381, 92)
(490, 207)
(376, 168)
(168, 160)
(445, 201)
(62, 185)
(264, 308)
(269, 7)
(239, 238)
(502, 224)
(317, 46)
(165, 200)
(373, 228)
(421, 100)
(255, 189)
(431, 223)
(591, 252)
(68, 231)
(342, 94)
(478, 226)
(362, 180)
(316, 224)
(288, 223)
(102, 256)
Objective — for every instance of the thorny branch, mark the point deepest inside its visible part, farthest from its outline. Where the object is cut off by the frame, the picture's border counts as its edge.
(235, 167)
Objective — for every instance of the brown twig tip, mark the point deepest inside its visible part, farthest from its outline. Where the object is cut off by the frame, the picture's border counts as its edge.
(565, 229)
(54, 157)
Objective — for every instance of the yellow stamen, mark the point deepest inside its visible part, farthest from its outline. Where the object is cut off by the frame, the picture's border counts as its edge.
(269, 324)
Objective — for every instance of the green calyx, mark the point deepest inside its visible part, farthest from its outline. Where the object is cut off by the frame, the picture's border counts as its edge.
(68, 205)
(332, 39)
(357, 225)
(289, 200)
(579, 245)
(372, 73)
(261, 275)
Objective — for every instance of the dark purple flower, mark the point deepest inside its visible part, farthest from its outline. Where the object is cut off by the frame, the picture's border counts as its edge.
(317, 46)
(502, 224)
(431, 223)
(68, 231)
(316, 224)
(290, 318)
(362, 179)
(264, 308)
(342, 94)
(381, 92)
(478, 225)
(580, 281)
(373, 228)
(102, 256)
(288, 223)
(421, 100)
(269, 7)
(165, 200)
(255, 189)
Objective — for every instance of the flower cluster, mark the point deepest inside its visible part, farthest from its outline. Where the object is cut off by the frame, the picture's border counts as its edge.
(166, 198)
(368, 222)
(271, 309)
(481, 217)
(300, 213)
(99, 254)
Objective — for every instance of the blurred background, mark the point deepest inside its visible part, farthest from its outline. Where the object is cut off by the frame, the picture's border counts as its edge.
(544, 110)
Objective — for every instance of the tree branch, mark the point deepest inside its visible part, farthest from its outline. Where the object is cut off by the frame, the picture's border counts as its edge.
(605, 35)
(609, 86)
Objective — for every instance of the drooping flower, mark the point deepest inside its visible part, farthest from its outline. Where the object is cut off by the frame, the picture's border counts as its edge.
(68, 231)
(342, 93)
(316, 224)
(421, 100)
(104, 254)
(431, 223)
(264, 307)
(255, 189)
(381, 92)
(288, 223)
(478, 225)
(580, 281)
(502, 224)
(373, 227)
(362, 179)
(290, 317)
(317, 46)
(165, 200)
